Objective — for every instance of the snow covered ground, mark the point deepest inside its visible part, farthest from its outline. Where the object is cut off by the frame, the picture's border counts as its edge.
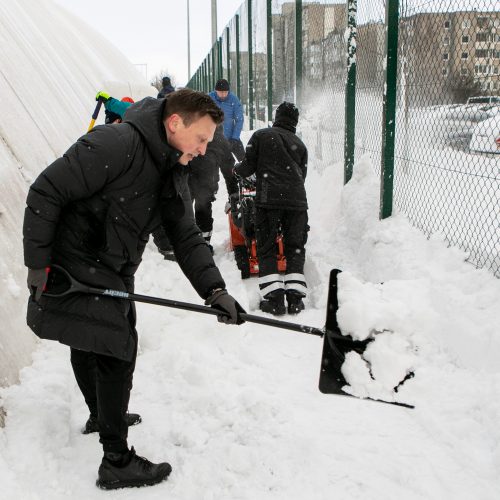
(236, 410)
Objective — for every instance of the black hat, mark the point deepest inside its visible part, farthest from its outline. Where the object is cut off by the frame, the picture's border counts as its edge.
(222, 85)
(165, 81)
(287, 112)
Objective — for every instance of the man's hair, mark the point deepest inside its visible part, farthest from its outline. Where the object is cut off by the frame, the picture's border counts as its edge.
(191, 105)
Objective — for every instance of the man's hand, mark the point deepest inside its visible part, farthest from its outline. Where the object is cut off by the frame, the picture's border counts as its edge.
(103, 96)
(37, 279)
(230, 309)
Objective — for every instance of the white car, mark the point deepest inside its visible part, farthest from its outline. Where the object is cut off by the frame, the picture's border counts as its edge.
(486, 136)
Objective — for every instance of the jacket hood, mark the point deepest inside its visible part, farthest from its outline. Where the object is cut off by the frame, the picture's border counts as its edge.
(286, 124)
(146, 117)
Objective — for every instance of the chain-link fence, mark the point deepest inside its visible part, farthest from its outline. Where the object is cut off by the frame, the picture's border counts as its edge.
(415, 84)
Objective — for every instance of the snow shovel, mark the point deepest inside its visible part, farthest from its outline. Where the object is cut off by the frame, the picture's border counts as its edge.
(95, 114)
(336, 345)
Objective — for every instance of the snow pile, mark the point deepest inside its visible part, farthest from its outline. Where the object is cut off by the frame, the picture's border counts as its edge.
(236, 410)
(52, 65)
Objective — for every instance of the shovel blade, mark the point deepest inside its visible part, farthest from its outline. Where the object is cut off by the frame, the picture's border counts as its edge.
(331, 379)
(336, 346)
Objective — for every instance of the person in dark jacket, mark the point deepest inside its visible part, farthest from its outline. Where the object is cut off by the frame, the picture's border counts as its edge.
(233, 116)
(166, 87)
(91, 212)
(203, 176)
(204, 181)
(278, 158)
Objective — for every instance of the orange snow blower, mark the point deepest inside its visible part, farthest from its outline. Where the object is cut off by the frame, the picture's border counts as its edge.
(241, 218)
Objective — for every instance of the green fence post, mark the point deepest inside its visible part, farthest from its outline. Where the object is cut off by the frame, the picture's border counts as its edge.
(228, 55)
(269, 60)
(209, 72)
(350, 91)
(213, 67)
(298, 51)
(250, 64)
(238, 63)
(219, 59)
(389, 109)
(204, 75)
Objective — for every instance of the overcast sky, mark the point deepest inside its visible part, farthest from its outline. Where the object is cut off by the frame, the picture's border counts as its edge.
(155, 33)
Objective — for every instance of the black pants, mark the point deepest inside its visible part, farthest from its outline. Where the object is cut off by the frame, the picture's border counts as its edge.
(294, 228)
(161, 240)
(106, 383)
(203, 185)
(237, 149)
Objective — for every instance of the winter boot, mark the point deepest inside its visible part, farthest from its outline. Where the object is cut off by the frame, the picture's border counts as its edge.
(127, 470)
(168, 254)
(295, 302)
(92, 424)
(274, 303)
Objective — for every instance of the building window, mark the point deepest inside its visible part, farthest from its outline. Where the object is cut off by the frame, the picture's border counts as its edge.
(446, 56)
(481, 53)
(446, 40)
(465, 39)
(447, 25)
(483, 22)
(464, 71)
(444, 71)
(481, 37)
(465, 55)
(466, 23)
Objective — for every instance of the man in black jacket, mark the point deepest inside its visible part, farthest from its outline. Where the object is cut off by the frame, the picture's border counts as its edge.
(204, 181)
(91, 212)
(279, 160)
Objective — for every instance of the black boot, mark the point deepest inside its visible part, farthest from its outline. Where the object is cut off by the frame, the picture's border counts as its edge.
(295, 302)
(168, 254)
(274, 303)
(127, 470)
(92, 424)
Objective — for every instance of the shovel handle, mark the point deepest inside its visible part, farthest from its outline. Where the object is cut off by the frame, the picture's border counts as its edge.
(76, 286)
(95, 114)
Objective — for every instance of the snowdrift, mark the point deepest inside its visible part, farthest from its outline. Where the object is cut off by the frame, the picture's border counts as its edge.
(51, 66)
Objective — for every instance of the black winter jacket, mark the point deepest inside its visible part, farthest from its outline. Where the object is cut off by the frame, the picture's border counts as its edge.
(92, 211)
(167, 89)
(279, 160)
(218, 155)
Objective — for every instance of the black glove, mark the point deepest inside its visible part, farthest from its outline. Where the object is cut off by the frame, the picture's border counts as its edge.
(231, 310)
(37, 279)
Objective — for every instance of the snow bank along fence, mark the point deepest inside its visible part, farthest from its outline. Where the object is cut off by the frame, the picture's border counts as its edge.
(412, 83)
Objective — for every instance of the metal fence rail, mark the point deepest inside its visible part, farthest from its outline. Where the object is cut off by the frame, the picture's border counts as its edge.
(414, 84)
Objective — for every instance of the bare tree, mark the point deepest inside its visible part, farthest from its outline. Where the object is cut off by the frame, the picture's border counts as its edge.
(463, 87)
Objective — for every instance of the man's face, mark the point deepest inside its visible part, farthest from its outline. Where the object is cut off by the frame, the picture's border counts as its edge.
(222, 94)
(191, 140)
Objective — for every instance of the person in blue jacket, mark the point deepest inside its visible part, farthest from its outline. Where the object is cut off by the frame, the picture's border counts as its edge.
(233, 116)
